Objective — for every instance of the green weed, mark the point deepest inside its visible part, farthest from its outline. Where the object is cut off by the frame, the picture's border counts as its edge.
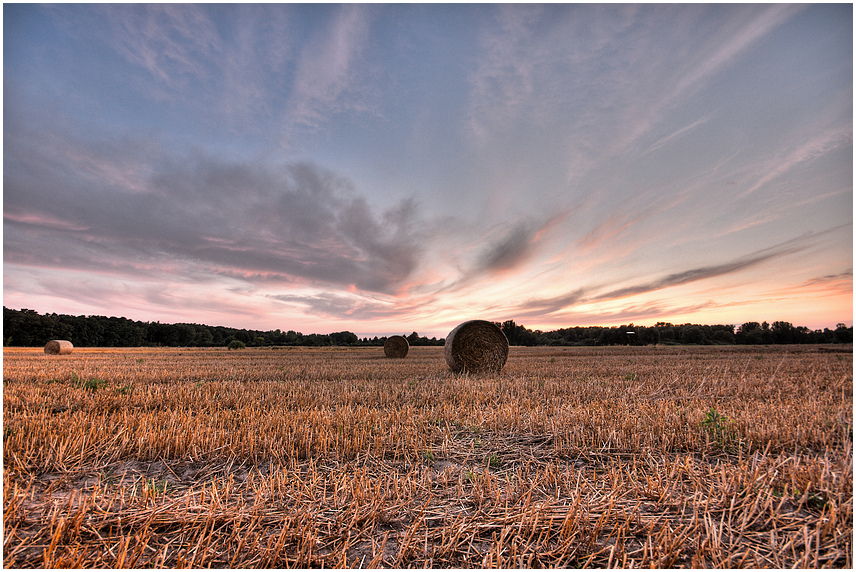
(156, 487)
(91, 384)
(494, 461)
(721, 430)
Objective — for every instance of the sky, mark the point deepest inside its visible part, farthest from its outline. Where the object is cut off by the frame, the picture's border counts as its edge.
(384, 169)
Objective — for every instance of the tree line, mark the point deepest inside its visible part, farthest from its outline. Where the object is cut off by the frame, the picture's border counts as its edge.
(28, 328)
(665, 333)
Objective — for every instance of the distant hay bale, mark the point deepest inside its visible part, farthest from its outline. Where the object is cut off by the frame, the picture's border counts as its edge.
(476, 346)
(396, 347)
(58, 347)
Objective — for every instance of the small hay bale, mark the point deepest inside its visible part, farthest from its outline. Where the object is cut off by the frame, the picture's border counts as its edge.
(58, 347)
(476, 346)
(396, 347)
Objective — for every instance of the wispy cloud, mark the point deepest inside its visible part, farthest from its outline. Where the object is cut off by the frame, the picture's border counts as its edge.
(830, 284)
(256, 64)
(503, 83)
(355, 306)
(326, 68)
(170, 41)
(541, 308)
(181, 53)
(648, 312)
(507, 247)
(660, 89)
(707, 272)
(672, 136)
(730, 47)
(814, 148)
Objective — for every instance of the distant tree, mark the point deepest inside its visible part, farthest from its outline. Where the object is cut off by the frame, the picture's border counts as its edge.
(185, 334)
(723, 337)
(509, 328)
(344, 338)
(693, 335)
(783, 333)
(236, 345)
(843, 334)
(29, 328)
(750, 333)
(204, 338)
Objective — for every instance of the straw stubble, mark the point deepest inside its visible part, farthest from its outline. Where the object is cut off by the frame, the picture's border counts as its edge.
(575, 457)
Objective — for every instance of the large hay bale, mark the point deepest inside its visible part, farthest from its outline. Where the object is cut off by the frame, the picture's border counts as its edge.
(476, 346)
(58, 347)
(396, 347)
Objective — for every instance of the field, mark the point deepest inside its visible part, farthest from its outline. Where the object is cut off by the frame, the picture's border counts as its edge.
(665, 457)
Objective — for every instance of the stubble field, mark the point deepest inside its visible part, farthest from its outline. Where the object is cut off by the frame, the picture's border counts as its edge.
(570, 457)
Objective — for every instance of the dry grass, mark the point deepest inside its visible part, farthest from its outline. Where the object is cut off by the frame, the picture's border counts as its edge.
(601, 457)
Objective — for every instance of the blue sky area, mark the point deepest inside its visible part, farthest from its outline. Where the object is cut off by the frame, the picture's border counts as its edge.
(395, 168)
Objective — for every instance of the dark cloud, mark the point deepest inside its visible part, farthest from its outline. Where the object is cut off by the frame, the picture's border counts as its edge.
(509, 251)
(844, 279)
(536, 307)
(705, 272)
(503, 248)
(637, 312)
(541, 307)
(70, 205)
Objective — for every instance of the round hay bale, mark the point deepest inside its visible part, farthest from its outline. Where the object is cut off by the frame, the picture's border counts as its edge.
(476, 346)
(396, 347)
(58, 347)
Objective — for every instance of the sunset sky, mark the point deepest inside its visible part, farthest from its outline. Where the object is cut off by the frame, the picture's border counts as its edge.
(385, 169)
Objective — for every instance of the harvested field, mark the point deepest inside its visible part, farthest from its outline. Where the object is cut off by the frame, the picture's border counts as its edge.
(569, 457)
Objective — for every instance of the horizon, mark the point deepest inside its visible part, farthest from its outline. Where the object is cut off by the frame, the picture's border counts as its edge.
(401, 168)
(431, 335)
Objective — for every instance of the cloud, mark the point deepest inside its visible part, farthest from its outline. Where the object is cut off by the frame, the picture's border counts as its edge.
(540, 307)
(297, 222)
(814, 148)
(706, 272)
(654, 57)
(243, 73)
(506, 247)
(326, 68)
(503, 84)
(170, 41)
(731, 46)
(334, 305)
(343, 306)
(828, 285)
(633, 211)
(509, 252)
(255, 64)
(543, 307)
(635, 312)
(662, 142)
